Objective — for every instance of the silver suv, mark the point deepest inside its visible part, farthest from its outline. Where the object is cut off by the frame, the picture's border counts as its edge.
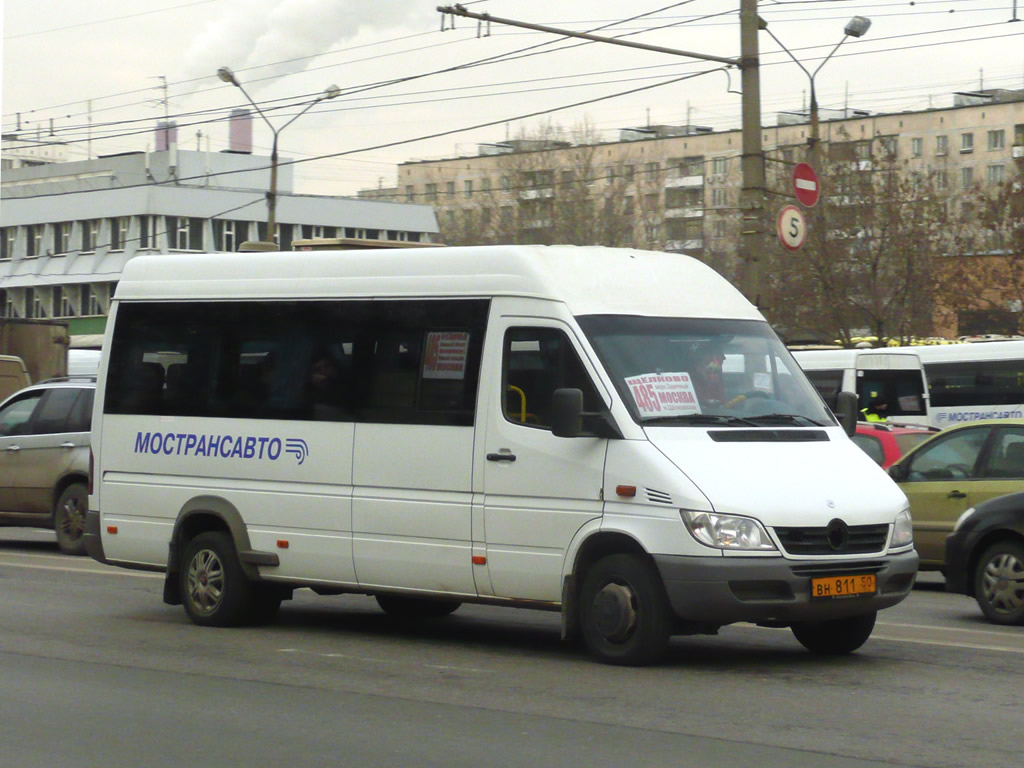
(44, 458)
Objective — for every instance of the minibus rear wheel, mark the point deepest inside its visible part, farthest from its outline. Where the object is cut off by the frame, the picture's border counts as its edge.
(214, 589)
(624, 613)
(835, 637)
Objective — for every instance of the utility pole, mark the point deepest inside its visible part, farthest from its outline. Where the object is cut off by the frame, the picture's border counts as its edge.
(752, 161)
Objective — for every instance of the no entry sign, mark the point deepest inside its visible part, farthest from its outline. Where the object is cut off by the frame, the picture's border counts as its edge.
(805, 185)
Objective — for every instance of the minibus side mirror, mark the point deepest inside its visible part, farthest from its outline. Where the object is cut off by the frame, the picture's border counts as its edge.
(846, 411)
(567, 412)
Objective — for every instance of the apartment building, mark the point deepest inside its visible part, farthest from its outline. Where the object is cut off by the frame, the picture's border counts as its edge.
(67, 229)
(678, 184)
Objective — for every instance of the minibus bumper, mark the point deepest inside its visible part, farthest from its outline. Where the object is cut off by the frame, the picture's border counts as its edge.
(723, 590)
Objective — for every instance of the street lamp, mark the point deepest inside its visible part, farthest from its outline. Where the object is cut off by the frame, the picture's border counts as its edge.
(855, 27)
(332, 91)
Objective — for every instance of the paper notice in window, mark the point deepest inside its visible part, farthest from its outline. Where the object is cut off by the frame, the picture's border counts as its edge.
(445, 355)
(663, 394)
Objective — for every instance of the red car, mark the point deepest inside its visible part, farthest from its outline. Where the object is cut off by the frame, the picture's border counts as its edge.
(885, 443)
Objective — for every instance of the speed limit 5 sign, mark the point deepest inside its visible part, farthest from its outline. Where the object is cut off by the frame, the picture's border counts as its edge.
(792, 227)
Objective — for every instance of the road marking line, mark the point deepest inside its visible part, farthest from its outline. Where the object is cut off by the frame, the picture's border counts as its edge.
(64, 569)
(973, 646)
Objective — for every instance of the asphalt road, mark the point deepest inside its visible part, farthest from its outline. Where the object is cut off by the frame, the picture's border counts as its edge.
(97, 671)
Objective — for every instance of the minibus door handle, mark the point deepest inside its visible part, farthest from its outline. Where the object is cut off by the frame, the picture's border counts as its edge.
(956, 495)
(13, 448)
(501, 457)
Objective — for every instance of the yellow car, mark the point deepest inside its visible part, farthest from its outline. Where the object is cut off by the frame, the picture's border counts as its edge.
(955, 470)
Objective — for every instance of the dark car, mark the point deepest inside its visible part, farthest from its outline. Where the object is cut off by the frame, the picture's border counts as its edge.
(985, 557)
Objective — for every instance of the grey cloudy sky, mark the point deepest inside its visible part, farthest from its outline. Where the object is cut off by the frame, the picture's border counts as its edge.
(94, 70)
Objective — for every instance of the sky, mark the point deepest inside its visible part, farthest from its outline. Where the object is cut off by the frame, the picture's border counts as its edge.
(98, 75)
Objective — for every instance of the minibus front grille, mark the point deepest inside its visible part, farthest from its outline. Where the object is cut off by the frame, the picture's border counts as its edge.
(860, 540)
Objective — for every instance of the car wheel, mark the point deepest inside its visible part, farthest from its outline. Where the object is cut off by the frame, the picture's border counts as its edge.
(416, 607)
(835, 637)
(624, 613)
(214, 590)
(69, 519)
(999, 583)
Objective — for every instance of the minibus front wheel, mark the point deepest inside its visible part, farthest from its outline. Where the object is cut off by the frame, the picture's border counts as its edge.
(215, 590)
(624, 613)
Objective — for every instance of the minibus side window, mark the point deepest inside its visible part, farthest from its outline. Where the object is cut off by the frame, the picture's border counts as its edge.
(386, 361)
(536, 362)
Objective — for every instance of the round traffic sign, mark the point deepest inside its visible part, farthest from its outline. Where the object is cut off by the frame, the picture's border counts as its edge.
(805, 185)
(792, 227)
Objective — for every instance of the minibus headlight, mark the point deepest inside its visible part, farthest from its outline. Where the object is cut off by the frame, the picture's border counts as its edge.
(963, 518)
(726, 531)
(902, 530)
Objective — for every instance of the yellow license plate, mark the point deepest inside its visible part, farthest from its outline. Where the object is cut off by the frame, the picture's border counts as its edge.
(843, 586)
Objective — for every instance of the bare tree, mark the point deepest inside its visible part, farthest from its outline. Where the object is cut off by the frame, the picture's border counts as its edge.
(868, 266)
(984, 285)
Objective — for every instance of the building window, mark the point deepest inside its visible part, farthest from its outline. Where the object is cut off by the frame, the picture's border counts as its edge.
(505, 183)
(719, 228)
(966, 142)
(942, 145)
(467, 188)
(67, 303)
(889, 146)
(995, 174)
(941, 180)
(409, 193)
(186, 233)
(8, 236)
(862, 150)
(228, 235)
(719, 198)
(449, 188)
(147, 232)
(34, 246)
(629, 172)
(917, 147)
(966, 177)
(996, 140)
(38, 298)
(118, 233)
(90, 234)
(431, 193)
(485, 184)
(309, 231)
(62, 237)
(651, 171)
(609, 173)
(720, 166)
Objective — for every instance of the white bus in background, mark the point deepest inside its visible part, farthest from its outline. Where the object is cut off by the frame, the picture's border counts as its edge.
(896, 376)
(967, 382)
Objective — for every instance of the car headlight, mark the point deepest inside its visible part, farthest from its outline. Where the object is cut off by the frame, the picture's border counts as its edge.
(902, 530)
(963, 518)
(726, 531)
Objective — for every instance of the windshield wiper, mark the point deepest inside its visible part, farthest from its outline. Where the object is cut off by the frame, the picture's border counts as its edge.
(787, 418)
(703, 418)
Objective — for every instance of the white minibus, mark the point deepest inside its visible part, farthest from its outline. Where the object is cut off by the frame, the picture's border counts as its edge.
(972, 381)
(529, 426)
(896, 377)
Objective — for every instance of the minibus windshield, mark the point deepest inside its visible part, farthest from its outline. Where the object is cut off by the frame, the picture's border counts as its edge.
(703, 372)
